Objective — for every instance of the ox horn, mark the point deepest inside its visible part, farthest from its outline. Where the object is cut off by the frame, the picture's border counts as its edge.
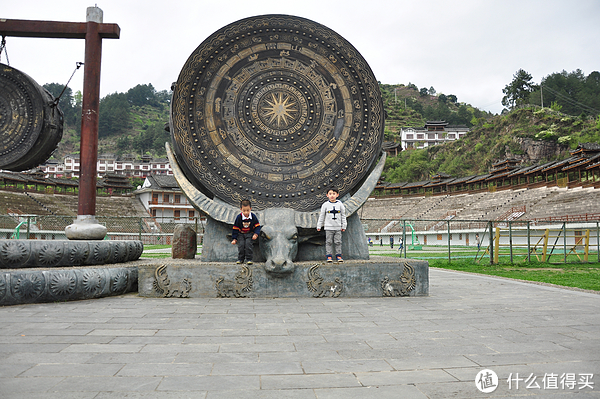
(225, 213)
(309, 220)
(221, 212)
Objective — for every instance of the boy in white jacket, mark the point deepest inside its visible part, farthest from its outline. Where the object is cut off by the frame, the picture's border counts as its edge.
(333, 219)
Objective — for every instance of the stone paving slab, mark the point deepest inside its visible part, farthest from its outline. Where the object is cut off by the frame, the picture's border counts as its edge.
(415, 347)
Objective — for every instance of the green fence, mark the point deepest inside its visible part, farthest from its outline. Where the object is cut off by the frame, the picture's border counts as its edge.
(150, 230)
(485, 241)
(509, 241)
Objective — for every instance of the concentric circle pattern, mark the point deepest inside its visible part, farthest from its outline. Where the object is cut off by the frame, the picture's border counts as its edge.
(276, 109)
(30, 127)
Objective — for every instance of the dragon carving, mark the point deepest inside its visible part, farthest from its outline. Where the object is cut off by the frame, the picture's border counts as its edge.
(321, 288)
(241, 284)
(402, 286)
(162, 284)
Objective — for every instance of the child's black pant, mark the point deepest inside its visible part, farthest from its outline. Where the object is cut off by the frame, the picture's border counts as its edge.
(245, 246)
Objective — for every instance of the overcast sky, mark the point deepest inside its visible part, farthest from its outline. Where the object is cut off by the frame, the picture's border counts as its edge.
(467, 48)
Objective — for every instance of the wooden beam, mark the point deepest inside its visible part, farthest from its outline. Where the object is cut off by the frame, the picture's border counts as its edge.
(54, 29)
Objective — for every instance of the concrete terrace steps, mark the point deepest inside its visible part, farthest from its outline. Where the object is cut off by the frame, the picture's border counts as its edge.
(434, 209)
(541, 202)
(21, 202)
(66, 205)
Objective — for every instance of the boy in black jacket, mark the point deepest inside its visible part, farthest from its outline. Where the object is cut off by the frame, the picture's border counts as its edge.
(246, 229)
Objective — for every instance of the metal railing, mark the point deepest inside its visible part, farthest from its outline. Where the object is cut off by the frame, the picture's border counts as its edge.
(149, 230)
(491, 241)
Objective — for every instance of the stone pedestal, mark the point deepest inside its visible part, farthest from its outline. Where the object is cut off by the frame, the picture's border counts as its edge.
(383, 277)
(85, 227)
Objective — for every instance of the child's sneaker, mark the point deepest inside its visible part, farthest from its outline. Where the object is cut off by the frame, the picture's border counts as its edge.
(239, 262)
(338, 258)
(249, 262)
(329, 258)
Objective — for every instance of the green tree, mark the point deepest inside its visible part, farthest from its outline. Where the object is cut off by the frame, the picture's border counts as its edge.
(408, 166)
(164, 96)
(123, 144)
(141, 95)
(464, 116)
(575, 92)
(114, 114)
(517, 92)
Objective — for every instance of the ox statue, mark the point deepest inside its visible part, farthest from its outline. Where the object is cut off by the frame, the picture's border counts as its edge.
(279, 240)
(287, 235)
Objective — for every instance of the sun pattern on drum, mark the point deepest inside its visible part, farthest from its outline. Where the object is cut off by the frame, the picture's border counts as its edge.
(279, 110)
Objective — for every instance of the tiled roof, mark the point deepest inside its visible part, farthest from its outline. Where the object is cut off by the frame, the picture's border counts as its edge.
(479, 178)
(462, 180)
(522, 170)
(163, 181)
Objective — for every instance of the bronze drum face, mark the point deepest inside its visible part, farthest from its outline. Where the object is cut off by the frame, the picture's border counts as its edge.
(276, 109)
(30, 126)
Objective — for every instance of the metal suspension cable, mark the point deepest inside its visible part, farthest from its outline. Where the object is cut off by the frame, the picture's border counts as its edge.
(571, 100)
(3, 47)
(57, 99)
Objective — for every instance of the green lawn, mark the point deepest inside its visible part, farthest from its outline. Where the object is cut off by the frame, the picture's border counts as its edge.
(580, 275)
(152, 246)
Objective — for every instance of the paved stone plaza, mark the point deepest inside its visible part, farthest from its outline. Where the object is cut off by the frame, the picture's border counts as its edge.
(418, 347)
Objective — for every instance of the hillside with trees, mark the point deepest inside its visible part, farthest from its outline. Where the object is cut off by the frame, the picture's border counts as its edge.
(407, 105)
(134, 123)
(531, 134)
(524, 130)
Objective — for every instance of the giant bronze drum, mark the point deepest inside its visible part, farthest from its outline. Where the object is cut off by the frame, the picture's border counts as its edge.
(31, 125)
(276, 109)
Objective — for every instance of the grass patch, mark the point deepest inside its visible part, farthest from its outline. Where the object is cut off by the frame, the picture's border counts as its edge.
(154, 246)
(579, 275)
(156, 256)
(163, 255)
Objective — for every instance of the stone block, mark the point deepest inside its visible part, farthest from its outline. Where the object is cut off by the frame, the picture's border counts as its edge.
(354, 278)
(19, 286)
(16, 254)
(184, 242)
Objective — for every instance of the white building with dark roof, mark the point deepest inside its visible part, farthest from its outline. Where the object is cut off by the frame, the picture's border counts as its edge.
(163, 199)
(433, 133)
(109, 163)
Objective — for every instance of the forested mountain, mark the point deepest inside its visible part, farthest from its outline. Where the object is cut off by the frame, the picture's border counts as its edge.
(572, 92)
(131, 122)
(531, 134)
(134, 122)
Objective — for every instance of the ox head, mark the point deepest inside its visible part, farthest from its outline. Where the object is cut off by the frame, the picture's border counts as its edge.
(279, 240)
